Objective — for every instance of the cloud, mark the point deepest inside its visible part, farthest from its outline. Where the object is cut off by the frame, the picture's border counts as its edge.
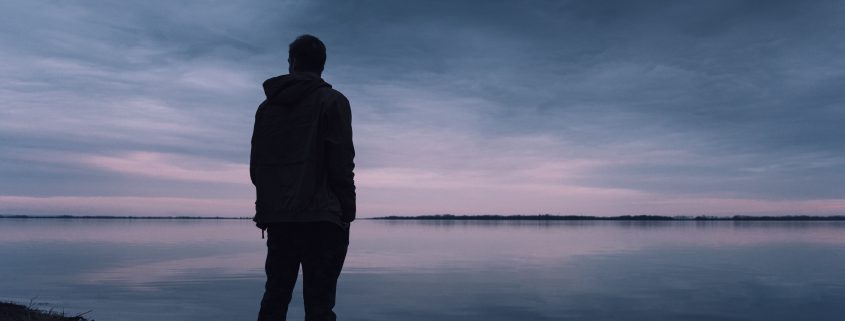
(136, 206)
(501, 106)
(171, 167)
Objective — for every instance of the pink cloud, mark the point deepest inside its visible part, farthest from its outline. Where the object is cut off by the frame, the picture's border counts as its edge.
(171, 167)
(126, 205)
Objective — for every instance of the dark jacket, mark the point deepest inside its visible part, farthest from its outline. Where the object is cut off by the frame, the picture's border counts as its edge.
(302, 154)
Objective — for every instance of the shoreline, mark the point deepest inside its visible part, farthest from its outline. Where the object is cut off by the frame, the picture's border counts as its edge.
(452, 217)
(550, 217)
(11, 311)
(114, 217)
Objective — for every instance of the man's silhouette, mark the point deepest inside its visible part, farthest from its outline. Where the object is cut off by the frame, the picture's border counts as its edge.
(301, 165)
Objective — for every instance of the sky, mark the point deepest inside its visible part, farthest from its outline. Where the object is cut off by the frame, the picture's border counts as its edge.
(467, 107)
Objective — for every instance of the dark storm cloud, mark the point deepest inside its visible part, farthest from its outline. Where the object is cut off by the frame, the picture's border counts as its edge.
(705, 99)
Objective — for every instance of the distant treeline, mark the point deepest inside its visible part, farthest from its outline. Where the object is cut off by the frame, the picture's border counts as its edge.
(539, 217)
(127, 217)
(550, 217)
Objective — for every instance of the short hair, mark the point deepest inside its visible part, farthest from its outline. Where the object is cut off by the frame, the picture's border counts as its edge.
(308, 53)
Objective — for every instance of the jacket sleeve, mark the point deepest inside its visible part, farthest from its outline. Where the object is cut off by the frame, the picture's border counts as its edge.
(252, 169)
(340, 154)
(252, 151)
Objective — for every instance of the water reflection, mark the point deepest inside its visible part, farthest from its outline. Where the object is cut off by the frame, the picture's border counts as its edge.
(442, 270)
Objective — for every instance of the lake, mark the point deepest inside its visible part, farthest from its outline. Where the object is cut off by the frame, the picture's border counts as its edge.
(126, 270)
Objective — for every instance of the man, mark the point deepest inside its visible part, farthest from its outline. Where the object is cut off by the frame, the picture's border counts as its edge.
(301, 165)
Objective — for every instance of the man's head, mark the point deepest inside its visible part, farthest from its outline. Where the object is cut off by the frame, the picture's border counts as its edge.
(307, 54)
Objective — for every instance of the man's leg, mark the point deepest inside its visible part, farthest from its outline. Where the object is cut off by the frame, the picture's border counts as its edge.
(281, 267)
(321, 265)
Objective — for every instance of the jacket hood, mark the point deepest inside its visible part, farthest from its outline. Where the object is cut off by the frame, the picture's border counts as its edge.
(291, 88)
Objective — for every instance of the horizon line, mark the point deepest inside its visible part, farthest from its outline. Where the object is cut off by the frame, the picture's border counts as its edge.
(524, 217)
(178, 217)
(643, 217)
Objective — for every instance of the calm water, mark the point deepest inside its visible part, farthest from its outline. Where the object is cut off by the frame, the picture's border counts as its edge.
(187, 270)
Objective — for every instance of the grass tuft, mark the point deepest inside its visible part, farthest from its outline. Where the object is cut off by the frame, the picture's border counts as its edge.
(10, 311)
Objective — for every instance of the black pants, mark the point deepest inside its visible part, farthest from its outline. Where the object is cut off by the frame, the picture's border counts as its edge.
(321, 249)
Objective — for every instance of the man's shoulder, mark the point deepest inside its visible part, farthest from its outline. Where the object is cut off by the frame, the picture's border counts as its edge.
(330, 92)
(333, 96)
